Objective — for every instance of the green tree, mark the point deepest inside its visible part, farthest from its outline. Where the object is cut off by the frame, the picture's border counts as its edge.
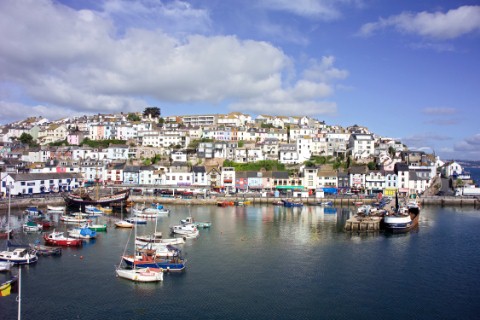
(26, 138)
(154, 112)
(372, 165)
(391, 151)
(133, 117)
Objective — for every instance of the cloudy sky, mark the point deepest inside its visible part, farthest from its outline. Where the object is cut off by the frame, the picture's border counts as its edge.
(405, 69)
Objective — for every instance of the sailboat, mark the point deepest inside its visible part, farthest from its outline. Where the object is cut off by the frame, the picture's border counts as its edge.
(139, 274)
(122, 223)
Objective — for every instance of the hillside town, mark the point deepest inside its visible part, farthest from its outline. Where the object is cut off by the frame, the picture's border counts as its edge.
(215, 152)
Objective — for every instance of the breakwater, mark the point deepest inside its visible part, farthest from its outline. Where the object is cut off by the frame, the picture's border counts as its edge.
(337, 201)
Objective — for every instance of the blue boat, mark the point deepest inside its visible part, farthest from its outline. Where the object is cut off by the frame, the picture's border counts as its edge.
(292, 203)
(33, 211)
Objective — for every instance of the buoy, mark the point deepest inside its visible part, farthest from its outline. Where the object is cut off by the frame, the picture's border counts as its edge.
(81, 257)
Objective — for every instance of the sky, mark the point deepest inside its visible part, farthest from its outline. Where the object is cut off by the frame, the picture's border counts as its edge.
(408, 70)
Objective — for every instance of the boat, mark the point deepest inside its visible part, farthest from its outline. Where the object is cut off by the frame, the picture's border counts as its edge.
(57, 238)
(154, 211)
(73, 219)
(138, 274)
(6, 265)
(86, 198)
(96, 227)
(46, 250)
(136, 220)
(189, 230)
(225, 203)
(403, 219)
(122, 223)
(106, 210)
(292, 203)
(145, 260)
(141, 274)
(325, 203)
(364, 209)
(56, 209)
(241, 203)
(163, 241)
(83, 232)
(159, 250)
(198, 224)
(93, 211)
(154, 237)
(19, 256)
(31, 226)
(6, 232)
(33, 211)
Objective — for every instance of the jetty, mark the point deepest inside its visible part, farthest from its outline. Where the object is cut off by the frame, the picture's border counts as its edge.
(363, 224)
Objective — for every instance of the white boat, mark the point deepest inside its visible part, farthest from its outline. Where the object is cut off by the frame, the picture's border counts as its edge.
(139, 274)
(31, 226)
(154, 237)
(159, 250)
(5, 265)
(123, 224)
(136, 220)
(162, 241)
(198, 224)
(55, 209)
(156, 210)
(93, 211)
(19, 256)
(73, 219)
(82, 233)
(188, 230)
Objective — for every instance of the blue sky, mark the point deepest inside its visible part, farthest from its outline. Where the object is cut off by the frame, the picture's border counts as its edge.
(405, 69)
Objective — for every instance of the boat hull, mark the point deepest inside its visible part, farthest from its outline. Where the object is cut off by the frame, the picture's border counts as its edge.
(141, 275)
(76, 200)
(401, 224)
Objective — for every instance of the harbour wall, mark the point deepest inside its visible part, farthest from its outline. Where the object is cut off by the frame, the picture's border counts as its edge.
(337, 201)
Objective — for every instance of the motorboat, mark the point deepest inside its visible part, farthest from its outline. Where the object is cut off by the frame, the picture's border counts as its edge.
(136, 220)
(31, 226)
(5, 265)
(145, 260)
(73, 219)
(33, 211)
(55, 209)
(159, 250)
(93, 211)
(198, 224)
(163, 241)
(83, 232)
(154, 211)
(19, 256)
(154, 237)
(189, 230)
(123, 224)
(96, 227)
(141, 274)
(292, 203)
(57, 238)
(46, 250)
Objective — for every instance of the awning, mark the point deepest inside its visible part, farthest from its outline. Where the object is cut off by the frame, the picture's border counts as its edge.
(290, 187)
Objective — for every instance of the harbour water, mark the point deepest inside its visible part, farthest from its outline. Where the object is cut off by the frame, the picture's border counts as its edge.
(267, 262)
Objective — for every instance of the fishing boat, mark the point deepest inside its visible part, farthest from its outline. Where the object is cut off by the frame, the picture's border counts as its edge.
(46, 250)
(55, 209)
(57, 238)
(188, 230)
(106, 210)
(19, 256)
(138, 274)
(87, 198)
(83, 232)
(403, 219)
(31, 226)
(198, 224)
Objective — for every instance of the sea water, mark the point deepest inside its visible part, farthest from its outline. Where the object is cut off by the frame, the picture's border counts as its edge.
(268, 262)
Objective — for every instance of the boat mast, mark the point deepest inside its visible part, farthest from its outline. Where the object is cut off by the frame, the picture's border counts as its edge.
(19, 298)
(9, 188)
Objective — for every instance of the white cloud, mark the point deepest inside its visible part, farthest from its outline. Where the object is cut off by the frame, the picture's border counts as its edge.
(318, 9)
(437, 25)
(78, 60)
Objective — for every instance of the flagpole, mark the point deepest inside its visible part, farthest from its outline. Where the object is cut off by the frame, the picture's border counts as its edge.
(19, 298)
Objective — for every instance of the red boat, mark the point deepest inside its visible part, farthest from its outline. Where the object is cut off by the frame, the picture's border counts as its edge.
(225, 203)
(59, 239)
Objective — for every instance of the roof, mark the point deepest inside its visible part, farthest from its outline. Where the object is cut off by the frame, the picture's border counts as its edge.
(43, 176)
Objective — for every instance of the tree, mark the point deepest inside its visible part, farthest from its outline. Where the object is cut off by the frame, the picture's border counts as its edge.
(391, 151)
(27, 138)
(154, 112)
(133, 117)
(372, 165)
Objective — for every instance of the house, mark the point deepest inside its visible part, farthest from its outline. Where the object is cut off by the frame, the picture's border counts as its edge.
(357, 178)
(38, 183)
(452, 169)
(114, 173)
(362, 146)
(131, 175)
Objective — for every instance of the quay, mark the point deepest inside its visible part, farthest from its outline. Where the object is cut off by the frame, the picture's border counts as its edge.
(338, 201)
(363, 224)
